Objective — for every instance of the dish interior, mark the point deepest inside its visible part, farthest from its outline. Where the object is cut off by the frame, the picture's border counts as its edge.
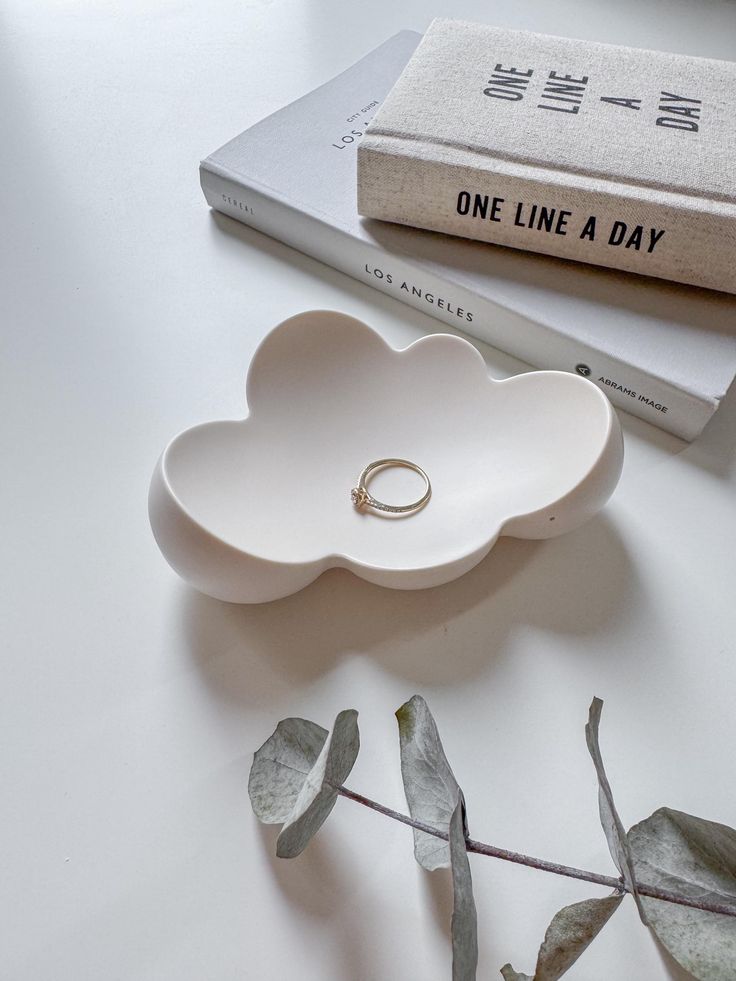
(327, 401)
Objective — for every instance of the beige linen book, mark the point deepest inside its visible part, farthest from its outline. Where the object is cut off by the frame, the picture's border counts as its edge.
(608, 155)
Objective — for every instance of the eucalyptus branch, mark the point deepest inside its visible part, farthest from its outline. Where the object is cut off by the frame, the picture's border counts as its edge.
(481, 848)
(301, 769)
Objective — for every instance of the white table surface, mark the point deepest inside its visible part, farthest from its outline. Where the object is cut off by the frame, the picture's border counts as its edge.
(131, 705)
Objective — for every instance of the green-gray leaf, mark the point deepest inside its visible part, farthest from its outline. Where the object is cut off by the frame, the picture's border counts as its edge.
(567, 936)
(509, 974)
(281, 766)
(612, 826)
(319, 791)
(697, 859)
(464, 919)
(429, 784)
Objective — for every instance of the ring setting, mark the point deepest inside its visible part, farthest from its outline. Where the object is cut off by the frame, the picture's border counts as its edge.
(362, 499)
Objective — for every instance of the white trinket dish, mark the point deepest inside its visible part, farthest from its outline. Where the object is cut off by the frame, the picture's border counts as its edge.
(255, 509)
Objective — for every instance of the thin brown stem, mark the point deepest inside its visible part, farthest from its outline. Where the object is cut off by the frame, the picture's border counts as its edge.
(480, 848)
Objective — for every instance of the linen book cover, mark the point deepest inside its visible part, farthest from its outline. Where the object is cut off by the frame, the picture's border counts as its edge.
(664, 352)
(608, 155)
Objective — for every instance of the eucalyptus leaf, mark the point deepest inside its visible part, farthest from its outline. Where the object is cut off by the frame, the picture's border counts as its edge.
(429, 784)
(567, 936)
(464, 918)
(318, 793)
(612, 826)
(509, 974)
(696, 859)
(281, 766)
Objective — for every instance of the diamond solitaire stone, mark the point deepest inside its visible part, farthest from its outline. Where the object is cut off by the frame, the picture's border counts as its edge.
(358, 496)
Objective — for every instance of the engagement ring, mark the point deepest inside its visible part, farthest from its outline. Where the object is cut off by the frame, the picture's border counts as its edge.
(362, 499)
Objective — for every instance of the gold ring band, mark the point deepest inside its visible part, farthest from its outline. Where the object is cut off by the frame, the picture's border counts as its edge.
(362, 499)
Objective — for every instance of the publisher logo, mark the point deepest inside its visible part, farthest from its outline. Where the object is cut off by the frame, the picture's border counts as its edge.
(582, 369)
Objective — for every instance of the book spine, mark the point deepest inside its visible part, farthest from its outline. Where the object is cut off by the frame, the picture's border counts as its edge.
(670, 408)
(599, 221)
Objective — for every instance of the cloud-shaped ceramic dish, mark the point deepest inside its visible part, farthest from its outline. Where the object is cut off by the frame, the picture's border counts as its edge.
(255, 509)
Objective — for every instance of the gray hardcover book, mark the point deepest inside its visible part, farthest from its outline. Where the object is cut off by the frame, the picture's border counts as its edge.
(603, 154)
(666, 353)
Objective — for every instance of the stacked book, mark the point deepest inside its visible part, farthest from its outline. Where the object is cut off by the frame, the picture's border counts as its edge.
(452, 187)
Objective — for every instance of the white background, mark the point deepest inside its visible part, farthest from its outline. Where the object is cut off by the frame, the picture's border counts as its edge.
(130, 706)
